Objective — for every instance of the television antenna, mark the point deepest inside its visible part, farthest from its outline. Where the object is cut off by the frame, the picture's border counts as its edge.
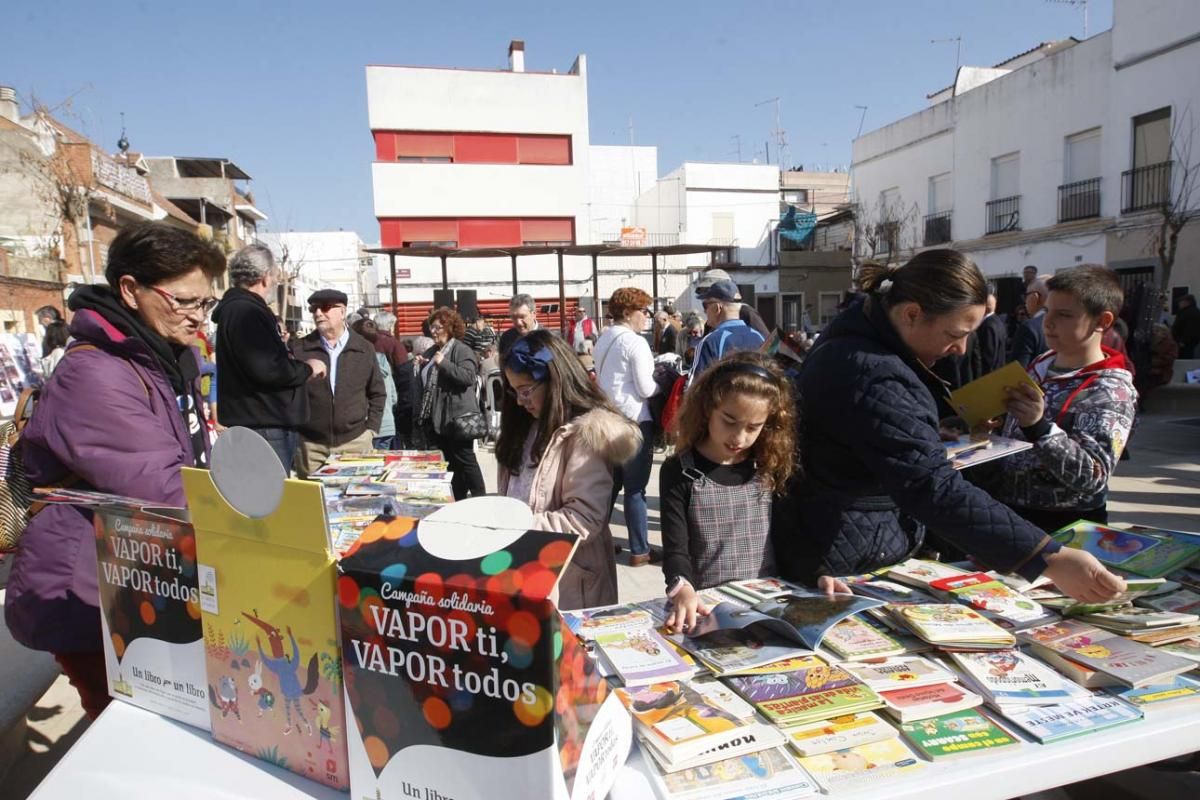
(957, 50)
(778, 133)
(1083, 3)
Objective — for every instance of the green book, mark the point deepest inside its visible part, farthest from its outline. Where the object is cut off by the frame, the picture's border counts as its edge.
(956, 734)
(1144, 551)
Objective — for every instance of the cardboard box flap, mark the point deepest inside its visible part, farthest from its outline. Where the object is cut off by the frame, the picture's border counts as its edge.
(246, 495)
(102, 501)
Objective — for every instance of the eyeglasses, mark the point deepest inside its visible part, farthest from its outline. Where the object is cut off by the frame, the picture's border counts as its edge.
(523, 393)
(649, 312)
(436, 327)
(325, 307)
(185, 305)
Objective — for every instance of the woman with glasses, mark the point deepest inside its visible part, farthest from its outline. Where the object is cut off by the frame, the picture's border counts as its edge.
(449, 406)
(625, 371)
(121, 414)
(559, 442)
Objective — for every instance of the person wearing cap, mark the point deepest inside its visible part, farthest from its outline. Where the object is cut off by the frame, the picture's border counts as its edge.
(346, 410)
(722, 306)
(747, 314)
(261, 386)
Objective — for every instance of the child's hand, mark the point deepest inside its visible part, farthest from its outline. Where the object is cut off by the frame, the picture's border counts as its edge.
(1024, 404)
(1079, 574)
(831, 585)
(685, 605)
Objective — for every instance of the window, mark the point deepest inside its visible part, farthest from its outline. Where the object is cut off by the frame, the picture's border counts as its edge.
(722, 228)
(941, 193)
(1006, 176)
(1152, 138)
(1148, 184)
(427, 147)
(1082, 159)
(793, 312)
(796, 197)
(829, 306)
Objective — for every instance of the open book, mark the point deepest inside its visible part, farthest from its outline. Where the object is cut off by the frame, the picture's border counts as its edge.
(803, 619)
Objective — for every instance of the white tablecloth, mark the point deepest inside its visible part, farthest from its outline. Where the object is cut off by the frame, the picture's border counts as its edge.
(128, 754)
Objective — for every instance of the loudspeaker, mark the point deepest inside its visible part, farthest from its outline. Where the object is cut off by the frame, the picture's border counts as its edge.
(468, 308)
(443, 298)
(747, 292)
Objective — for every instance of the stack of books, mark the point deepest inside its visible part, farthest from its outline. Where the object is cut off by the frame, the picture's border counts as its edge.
(902, 672)
(1149, 552)
(1070, 645)
(923, 702)
(813, 690)
(772, 773)
(1011, 677)
(953, 627)
(992, 598)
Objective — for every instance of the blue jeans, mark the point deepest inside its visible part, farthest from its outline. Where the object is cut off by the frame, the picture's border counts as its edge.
(635, 474)
(284, 441)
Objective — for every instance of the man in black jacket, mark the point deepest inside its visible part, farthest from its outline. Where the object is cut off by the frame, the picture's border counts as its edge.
(260, 385)
(1030, 340)
(992, 336)
(346, 410)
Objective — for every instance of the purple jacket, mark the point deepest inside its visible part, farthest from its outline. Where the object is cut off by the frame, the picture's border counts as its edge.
(109, 416)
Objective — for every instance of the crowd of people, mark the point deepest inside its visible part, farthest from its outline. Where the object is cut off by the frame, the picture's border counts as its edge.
(831, 469)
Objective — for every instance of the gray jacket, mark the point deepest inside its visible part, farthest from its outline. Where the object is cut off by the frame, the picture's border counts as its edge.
(454, 395)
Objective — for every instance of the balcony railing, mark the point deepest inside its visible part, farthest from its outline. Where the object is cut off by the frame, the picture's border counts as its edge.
(937, 228)
(1004, 214)
(1079, 200)
(120, 178)
(1145, 187)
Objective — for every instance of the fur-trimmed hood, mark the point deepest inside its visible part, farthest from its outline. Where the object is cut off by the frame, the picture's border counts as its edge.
(608, 433)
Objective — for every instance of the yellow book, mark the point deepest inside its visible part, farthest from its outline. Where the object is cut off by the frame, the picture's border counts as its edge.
(983, 399)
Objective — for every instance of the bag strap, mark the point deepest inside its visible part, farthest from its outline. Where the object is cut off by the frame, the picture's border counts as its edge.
(611, 347)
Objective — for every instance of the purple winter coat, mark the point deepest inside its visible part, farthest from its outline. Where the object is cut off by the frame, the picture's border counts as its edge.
(109, 416)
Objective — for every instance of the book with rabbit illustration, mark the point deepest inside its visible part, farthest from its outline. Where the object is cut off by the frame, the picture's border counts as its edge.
(149, 604)
(267, 596)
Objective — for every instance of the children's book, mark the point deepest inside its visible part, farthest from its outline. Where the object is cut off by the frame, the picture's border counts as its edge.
(754, 590)
(815, 691)
(1135, 589)
(867, 766)
(1186, 648)
(1178, 691)
(1077, 673)
(1162, 636)
(1136, 618)
(1013, 677)
(592, 622)
(922, 702)
(956, 734)
(986, 398)
(1151, 555)
(642, 657)
(953, 626)
(899, 673)
(969, 453)
(991, 597)
(1184, 601)
(891, 592)
(920, 572)
(1072, 718)
(802, 619)
(770, 773)
(838, 733)
(853, 639)
(1131, 663)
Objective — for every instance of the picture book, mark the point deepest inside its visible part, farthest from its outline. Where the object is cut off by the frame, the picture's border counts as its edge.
(853, 639)
(734, 652)
(874, 765)
(1137, 618)
(1177, 691)
(965, 452)
(891, 592)
(754, 590)
(815, 691)
(1184, 601)
(589, 623)
(770, 773)
(1011, 676)
(463, 680)
(1132, 663)
(898, 673)
(641, 657)
(1186, 648)
(1072, 718)
(1135, 589)
(803, 619)
(1077, 673)
(991, 597)
(953, 626)
(838, 733)
(921, 702)
(1141, 553)
(270, 634)
(152, 636)
(958, 733)
(1157, 637)
(984, 398)
(921, 572)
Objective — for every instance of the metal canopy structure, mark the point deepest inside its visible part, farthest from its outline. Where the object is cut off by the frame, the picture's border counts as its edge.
(594, 251)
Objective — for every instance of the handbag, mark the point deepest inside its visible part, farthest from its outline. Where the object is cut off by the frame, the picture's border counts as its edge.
(17, 505)
(472, 425)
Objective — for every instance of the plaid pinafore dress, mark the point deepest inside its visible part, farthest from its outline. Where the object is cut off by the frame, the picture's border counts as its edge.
(729, 529)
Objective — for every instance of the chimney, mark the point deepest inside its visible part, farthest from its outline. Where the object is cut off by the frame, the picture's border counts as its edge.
(516, 55)
(9, 109)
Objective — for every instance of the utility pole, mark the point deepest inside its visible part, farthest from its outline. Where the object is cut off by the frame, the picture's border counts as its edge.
(778, 133)
(957, 52)
(861, 120)
(738, 141)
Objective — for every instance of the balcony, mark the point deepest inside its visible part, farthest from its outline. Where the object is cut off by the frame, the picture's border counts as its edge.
(120, 178)
(1004, 214)
(937, 228)
(1079, 200)
(1145, 187)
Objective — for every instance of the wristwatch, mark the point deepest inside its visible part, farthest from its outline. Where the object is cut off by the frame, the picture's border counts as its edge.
(675, 584)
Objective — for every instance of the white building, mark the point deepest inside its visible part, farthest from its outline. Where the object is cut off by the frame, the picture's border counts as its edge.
(1056, 157)
(321, 260)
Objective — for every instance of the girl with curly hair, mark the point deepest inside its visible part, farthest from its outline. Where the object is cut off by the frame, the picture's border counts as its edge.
(734, 452)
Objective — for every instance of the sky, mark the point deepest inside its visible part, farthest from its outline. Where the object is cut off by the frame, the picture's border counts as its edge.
(279, 87)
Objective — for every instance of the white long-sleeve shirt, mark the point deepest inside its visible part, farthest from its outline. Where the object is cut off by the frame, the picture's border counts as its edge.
(625, 371)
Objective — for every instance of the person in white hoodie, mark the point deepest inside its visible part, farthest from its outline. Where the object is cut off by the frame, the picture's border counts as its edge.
(625, 372)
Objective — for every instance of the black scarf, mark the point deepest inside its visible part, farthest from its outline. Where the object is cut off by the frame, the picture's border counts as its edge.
(177, 362)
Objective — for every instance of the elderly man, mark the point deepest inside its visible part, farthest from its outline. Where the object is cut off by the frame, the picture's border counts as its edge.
(729, 334)
(346, 409)
(747, 314)
(261, 385)
(1029, 342)
(522, 310)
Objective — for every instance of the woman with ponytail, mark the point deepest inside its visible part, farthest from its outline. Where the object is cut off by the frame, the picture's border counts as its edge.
(875, 471)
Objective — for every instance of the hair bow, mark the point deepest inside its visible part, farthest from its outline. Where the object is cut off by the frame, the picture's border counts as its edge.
(519, 359)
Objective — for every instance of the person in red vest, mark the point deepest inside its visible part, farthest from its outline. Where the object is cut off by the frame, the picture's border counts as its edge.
(582, 336)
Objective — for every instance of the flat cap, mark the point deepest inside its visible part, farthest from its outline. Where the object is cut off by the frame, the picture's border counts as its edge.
(328, 297)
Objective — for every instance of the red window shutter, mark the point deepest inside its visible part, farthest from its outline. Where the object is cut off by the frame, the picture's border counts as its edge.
(548, 230)
(489, 232)
(385, 146)
(389, 233)
(544, 149)
(424, 145)
(485, 148)
(423, 230)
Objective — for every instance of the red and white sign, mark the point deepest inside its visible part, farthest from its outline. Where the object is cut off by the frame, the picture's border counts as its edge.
(633, 237)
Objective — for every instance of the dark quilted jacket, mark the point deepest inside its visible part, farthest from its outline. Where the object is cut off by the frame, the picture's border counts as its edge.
(875, 469)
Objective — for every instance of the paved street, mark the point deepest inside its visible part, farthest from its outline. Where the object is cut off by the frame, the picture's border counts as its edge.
(1160, 486)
